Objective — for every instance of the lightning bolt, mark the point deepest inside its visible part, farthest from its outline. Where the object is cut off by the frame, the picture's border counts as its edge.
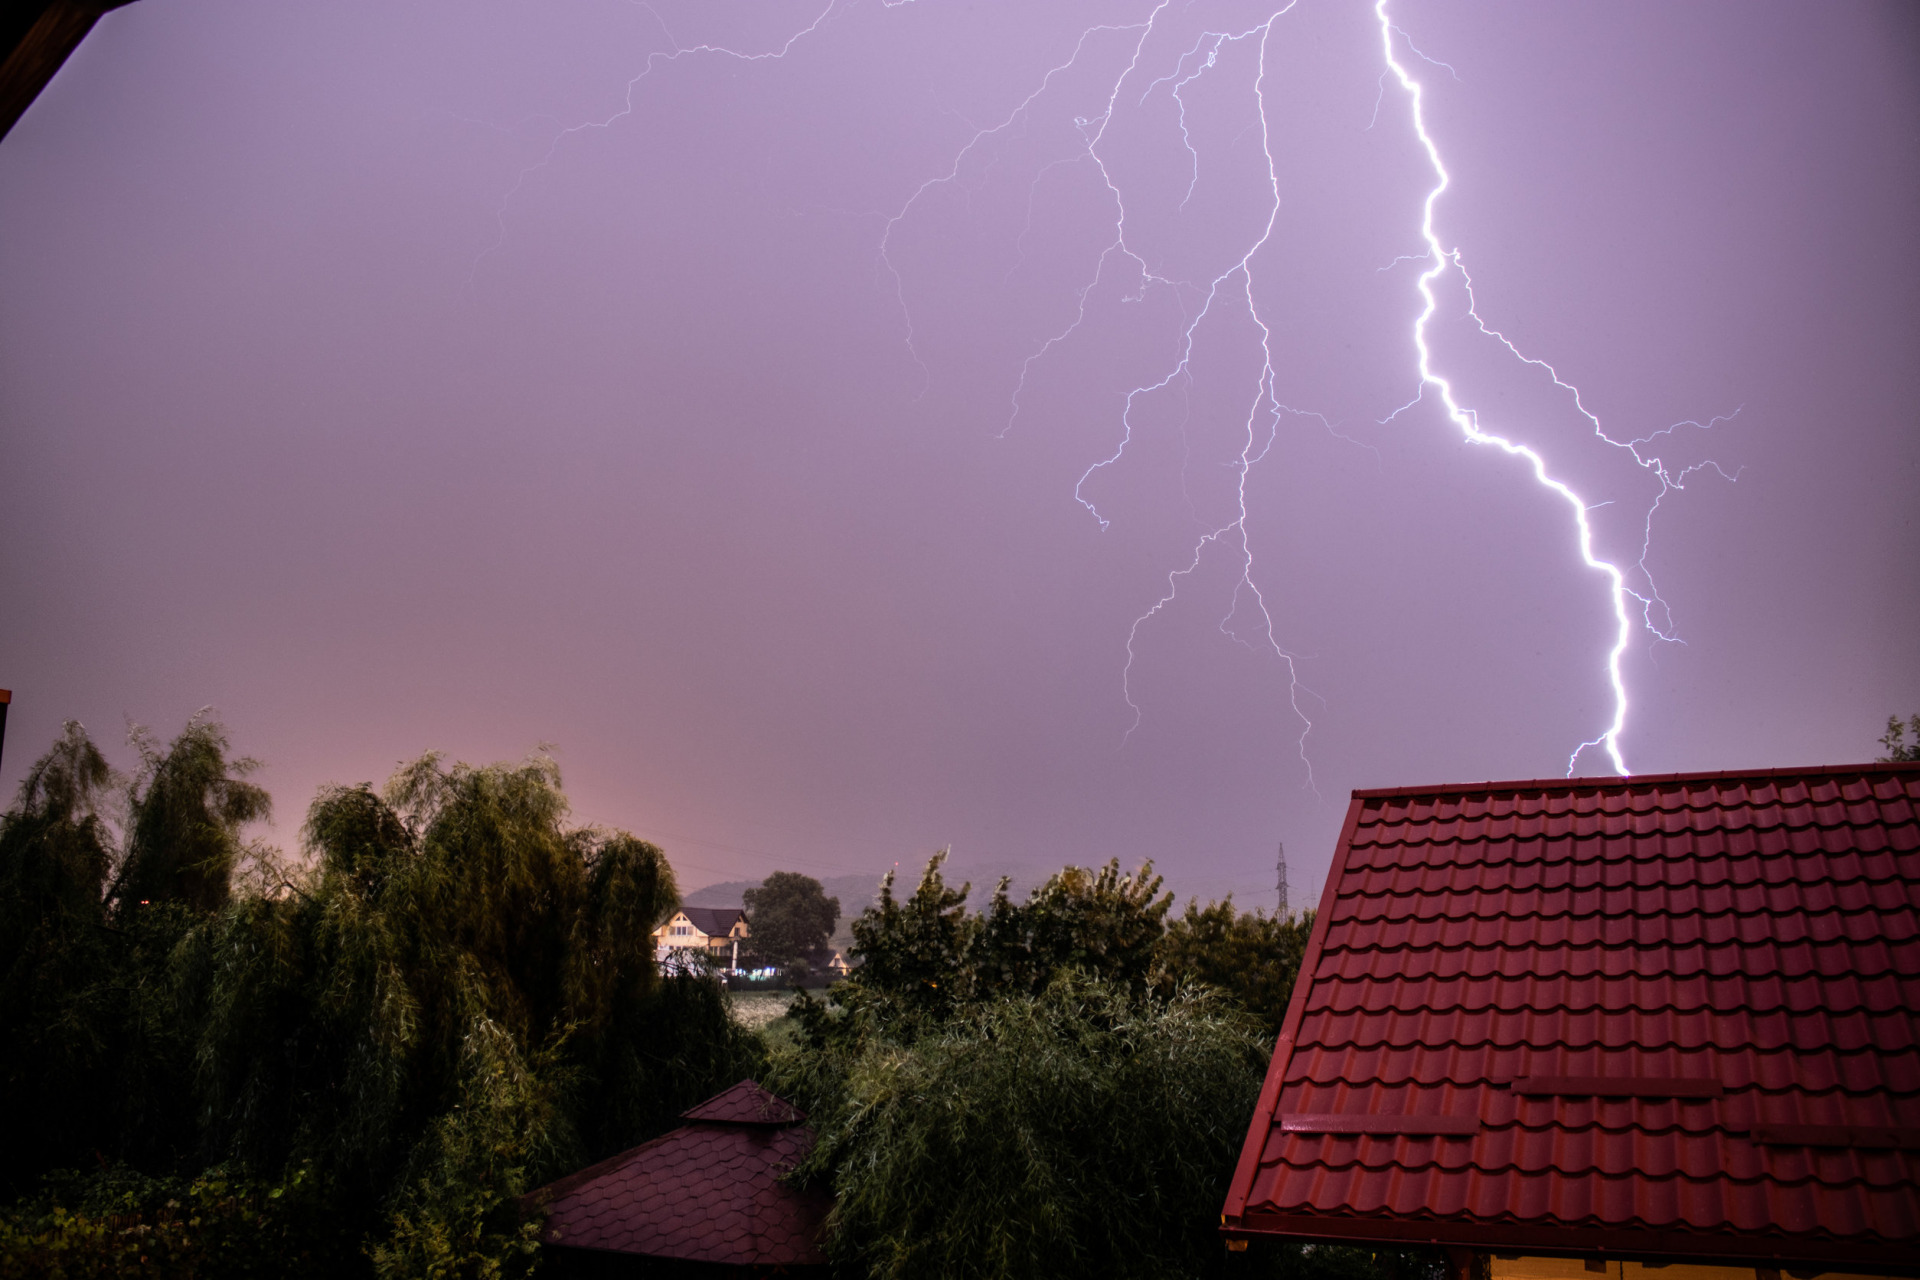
(1260, 427)
(654, 60)
(1440, 261)
(1229, 297)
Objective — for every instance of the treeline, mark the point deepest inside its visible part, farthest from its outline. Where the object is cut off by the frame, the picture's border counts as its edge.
(218, 1062)
(215, 1064)
(1054, 1087)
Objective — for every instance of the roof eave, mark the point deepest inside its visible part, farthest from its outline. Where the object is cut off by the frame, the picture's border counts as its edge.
(1635, 1244)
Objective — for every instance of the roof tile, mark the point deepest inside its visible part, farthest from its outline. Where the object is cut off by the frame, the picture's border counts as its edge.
(710, 1191)
(1758, 931)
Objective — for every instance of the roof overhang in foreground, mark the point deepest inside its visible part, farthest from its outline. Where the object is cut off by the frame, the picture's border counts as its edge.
(36, 38)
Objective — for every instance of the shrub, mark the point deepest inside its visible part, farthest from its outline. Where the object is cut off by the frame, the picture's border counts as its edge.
(1084, 1131)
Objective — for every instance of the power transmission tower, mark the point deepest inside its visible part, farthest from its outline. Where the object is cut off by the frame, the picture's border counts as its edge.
(1280, 867)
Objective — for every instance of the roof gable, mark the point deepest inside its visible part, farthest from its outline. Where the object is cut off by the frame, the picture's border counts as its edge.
(1609, 1014)
(715, 922)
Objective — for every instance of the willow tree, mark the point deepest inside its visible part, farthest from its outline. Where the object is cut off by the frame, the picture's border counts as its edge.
(458, 1003)
(55, 852)
(95, 1060)
(452, 1001)
(187, 806)
(1087, 1130)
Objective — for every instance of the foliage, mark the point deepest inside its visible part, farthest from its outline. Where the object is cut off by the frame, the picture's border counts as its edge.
(91, 1059)
(1899, 750)
(55, 851)
(188, 804)
(1291, 1261)
(791, 918)
(456, 1002)
(1105, 923)
(1087, 1130)
(1253, 956)
(218, 1224)
(1052, 1087)
(929, 955)
(912, 953)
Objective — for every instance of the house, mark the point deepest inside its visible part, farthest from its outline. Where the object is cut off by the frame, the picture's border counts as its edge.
(704, 1200)
(715, 932)
(1573, 1027)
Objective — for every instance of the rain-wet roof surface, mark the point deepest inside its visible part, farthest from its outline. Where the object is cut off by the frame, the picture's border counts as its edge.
(1672, 1016)
(709, 1191)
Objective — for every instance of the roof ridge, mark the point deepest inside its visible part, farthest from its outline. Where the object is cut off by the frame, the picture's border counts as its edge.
(1630, 781)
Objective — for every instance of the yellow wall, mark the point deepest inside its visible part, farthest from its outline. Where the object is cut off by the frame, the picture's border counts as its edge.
(1518, 1267)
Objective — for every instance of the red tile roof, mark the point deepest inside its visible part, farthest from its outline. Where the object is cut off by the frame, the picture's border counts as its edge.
(746, 1103)
(1660, 1016)
(708, 1192)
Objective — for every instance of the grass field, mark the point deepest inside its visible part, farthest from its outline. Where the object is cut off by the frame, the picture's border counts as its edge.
(755, 1010)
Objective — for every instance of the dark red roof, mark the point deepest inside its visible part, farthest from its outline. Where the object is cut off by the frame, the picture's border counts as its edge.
(746, 1103)
(715, 922)
(1664, 1016)
(709, 1191)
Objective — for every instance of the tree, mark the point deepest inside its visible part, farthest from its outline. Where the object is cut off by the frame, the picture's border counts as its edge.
(185, 811)
(1084, 1131)
(1253, 956)
(791, 917)
(1054, 1087)
(55, 854)
(456, 1002)
(1899, 750)
(1104, 923)
(912, 953)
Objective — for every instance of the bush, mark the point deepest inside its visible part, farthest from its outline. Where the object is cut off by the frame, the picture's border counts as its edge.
(1085, 1131)
(220, 1224)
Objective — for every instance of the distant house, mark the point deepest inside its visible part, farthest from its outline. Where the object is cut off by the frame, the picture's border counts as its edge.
(715, 932)
(705, 1200)
(1588, 1027)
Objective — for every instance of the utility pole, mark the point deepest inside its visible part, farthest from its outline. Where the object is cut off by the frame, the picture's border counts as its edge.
(6, 697)
(1280, 867)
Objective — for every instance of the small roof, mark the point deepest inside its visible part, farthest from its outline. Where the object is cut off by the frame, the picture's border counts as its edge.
(746, 1103)
(1666, 1017)
(709, 1191)
(713, 921)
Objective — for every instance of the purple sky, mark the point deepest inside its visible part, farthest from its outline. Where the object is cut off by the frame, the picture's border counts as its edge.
(348, 386)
